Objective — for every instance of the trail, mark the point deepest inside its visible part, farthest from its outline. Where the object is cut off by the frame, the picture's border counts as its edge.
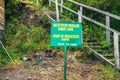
(51, 68)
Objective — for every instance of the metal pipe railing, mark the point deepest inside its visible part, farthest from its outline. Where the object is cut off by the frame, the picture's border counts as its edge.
(89, 19)
(106, 26)
(95, 9)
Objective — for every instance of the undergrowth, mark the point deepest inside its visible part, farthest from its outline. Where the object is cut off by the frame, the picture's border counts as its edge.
(25, 37)
(110, 73)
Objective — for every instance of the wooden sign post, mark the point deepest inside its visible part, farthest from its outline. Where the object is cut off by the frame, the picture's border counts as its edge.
(2, 21)
(66, 34)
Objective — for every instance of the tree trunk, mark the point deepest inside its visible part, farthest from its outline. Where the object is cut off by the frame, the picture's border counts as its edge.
(2, 21)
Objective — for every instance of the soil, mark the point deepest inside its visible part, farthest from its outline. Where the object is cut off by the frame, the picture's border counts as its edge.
(51, 68)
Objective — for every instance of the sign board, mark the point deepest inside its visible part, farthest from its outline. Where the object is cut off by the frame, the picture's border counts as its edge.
(67, 34)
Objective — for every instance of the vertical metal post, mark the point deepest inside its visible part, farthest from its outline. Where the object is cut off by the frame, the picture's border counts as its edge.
(65, 61)
(116, 50)
(37, 2)
(80, 18)
(57, 12)
(2, 21)
(49, 2)
(80, 14)
(107, 31)
(61, 6)
(81, 10)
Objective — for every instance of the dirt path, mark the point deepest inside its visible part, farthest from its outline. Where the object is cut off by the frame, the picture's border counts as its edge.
(51, 68)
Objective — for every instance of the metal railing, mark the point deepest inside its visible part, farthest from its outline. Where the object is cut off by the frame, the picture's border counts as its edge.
(106, 26)
(1, 44)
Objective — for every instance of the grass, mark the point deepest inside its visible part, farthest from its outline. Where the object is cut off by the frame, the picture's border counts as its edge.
(110, 73)
(27, 40)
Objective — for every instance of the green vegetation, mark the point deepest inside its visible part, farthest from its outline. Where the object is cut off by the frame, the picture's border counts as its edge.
(111, 6)
(25, 37)
(110, 73)
(28, 39)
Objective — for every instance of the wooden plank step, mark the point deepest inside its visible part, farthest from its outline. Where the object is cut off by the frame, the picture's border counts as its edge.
(95, 46)
(25, 2)
(99, 56)
(104, 50)
(92, 43)
(92, 40)
(108, 55)
(112, 60)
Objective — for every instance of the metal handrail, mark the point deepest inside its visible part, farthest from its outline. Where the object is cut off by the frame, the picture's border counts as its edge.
(97, 10)
(108, 15)
(6, 51)
(89, 19)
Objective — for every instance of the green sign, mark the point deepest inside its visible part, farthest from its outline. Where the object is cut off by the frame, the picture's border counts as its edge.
(67, 34)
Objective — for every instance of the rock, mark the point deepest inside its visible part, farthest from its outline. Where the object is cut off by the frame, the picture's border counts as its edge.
(23, 58)
(38, 56)
(29, 78)
(7, 78)
(48, 52)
